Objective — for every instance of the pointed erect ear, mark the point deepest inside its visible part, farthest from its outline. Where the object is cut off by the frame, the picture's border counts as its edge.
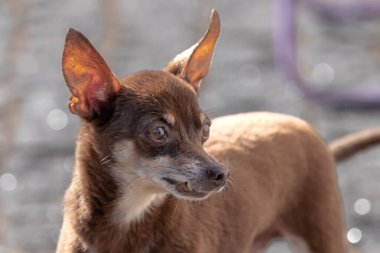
(90, 80)
(192, 65)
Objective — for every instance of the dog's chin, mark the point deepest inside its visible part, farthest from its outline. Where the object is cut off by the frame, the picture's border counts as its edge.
(185, 190)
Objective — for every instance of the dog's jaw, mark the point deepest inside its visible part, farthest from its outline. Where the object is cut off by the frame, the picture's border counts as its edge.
(139, 192)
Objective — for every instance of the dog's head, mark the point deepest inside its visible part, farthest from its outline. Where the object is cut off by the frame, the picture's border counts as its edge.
(149, 124)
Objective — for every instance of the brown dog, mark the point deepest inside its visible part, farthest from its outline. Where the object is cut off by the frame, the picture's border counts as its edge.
(143, 155)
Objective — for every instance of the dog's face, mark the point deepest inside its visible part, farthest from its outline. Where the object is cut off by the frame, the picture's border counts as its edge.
(163, 137)
(151, 120)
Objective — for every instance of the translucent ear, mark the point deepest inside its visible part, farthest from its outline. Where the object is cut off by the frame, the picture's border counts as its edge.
(193, 64)
(90, 80)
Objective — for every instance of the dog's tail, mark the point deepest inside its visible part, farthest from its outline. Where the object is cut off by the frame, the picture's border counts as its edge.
(348, 145)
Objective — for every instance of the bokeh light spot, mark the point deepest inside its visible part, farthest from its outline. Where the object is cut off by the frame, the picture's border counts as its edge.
(57, 119)
(323, 74)
(354, 235)
(8, 182)
(362, 206)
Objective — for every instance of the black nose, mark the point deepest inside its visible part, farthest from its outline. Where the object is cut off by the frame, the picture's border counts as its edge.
(217, 174)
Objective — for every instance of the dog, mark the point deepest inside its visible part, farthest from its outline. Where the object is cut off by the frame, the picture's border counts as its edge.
(149, 176)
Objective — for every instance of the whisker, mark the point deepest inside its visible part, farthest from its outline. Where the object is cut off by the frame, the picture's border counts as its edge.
(175, 209)
(191, 207)
(228, 190)
(222, 195)
(105, 161)
(105, 158)
(232, 179)
(231, 186)
(129, 185)
(233, 183)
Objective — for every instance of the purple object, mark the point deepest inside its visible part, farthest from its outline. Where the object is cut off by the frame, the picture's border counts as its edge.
(285, 53)
(341, 12)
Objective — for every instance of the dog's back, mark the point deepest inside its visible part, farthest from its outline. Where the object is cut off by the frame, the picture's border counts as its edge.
(283, 181)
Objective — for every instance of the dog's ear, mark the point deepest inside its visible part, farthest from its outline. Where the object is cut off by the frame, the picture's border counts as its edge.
(193, 64)
(90, 80)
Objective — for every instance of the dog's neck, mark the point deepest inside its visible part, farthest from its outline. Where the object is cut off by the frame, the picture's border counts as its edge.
(135, 202)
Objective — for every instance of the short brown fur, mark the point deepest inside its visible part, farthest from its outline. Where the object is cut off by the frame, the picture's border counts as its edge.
(282, 176)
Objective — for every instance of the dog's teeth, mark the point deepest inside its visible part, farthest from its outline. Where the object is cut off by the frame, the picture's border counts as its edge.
(190, 186)
(221, 189)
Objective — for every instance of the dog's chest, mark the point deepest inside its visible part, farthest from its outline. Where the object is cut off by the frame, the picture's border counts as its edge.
(132, 206)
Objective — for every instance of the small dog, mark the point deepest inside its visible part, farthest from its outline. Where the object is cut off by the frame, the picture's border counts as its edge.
(145, 153)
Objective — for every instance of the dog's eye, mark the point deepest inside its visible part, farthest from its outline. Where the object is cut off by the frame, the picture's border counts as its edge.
(157, 134)
(206, 131)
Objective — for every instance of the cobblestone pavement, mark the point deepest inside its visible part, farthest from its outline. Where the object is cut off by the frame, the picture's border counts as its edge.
(37, 132)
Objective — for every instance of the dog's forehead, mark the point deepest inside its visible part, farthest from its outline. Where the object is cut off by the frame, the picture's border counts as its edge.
(155, 81)
(164, 94)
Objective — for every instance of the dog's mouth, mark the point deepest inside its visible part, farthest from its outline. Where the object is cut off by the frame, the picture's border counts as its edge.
(185, 189)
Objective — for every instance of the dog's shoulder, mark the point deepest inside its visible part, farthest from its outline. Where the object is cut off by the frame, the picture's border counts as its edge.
(259, 123)
(258, 129)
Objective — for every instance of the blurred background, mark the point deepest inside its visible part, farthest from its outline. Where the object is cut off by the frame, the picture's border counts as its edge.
(306, 58)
